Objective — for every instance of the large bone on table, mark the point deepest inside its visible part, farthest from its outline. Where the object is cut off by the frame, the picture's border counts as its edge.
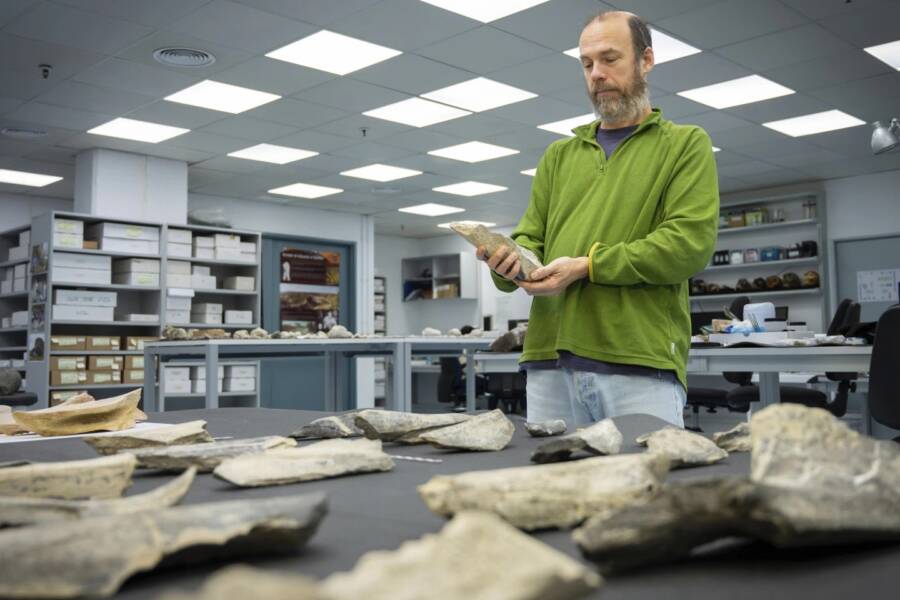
(554, 495)
(205, 457)
(479, 235)
(110, 414)
(93, 557)
(403, 427)
(104, 477)
(192, 432)
(19, 511)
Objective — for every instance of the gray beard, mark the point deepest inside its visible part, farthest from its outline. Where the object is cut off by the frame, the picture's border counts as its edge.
(626, 107)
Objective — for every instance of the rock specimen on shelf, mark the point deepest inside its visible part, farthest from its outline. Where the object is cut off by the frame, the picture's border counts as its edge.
(736, 439)
(10, 382)
(601, 438)
(240, 582)
(241, 334)
(104, 477)
(109, 414)
(684, 448)
(813, 482)
(17, 511)
(321, 460)
(431, 332)
(543, 496)
(476, 555)
(192, 432)
(546, 428)
(217, 334)
(479, 235)
(339, 331)
(489, 431)
(335, 426)
(403, 427)
(205, 457)
(175, 333)
(454, 332)
(511, 341)
(321, 334)
(477, 332)
(93, 557)
(259, 333)
(8, 425)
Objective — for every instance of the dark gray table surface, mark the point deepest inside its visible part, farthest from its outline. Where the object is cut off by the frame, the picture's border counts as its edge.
(380, 511)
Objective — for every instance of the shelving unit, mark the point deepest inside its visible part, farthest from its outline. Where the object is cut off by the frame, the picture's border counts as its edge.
(379, 293)
(799, 223)
(14, 339)
(444, 276)
(165, 397)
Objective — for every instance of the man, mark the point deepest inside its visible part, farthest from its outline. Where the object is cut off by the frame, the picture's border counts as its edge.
(621, 216)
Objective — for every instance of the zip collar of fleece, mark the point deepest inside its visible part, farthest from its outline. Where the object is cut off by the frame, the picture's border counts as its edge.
(588, 132)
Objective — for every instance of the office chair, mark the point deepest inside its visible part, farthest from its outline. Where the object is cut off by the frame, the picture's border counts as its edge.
(884, 374)
(508, 389)
(451, 386)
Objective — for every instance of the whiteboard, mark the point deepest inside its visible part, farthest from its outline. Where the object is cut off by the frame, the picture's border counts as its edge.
(868, 271)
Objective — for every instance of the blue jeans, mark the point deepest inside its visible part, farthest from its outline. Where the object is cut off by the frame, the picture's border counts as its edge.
(582, 397)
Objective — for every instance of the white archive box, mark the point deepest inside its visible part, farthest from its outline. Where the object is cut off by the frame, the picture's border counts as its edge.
(141, 318)
(20, 271)
(6, 287)
(247, 284)
(200, 372)
(67, 240)
(178, 317)
(180, 236)
(85, 298)
(76, 275)
(19, 285)
(25, 238)
(178, 373)
(239, 317)
(132, 246)
(239, 384)
(227, 240)
(179, 281)
(203, 282)
(248, 247)
(209, 308)
(136, 265)
(19, 318)
(63, 312)
(178, 303)
(240, 371)
(82, 261)
(198, 386)
(5, 323)
(178, 250)
(204, 253)
(123, 231)
(143, 279)
(18, 253)
(178, 387)
(201, 270)
(204, 241)
(206, 319)
(228, 254)
(178, 267)
(68, 226)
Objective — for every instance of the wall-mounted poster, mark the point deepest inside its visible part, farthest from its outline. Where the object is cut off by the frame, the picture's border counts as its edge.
(39, 256)
(309, 290)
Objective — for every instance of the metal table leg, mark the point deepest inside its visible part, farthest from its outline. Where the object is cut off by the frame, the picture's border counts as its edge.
(331, 381)
(470, 380)
(212, 375)
(769, 390)
(149, 382)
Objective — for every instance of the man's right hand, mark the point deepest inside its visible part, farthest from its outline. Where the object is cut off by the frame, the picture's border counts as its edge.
(504, 262)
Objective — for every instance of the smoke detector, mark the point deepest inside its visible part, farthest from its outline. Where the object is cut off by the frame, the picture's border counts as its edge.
(21, 133)
(183, 57)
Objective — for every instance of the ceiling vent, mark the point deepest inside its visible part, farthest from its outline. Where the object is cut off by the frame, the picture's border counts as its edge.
(20, 133)
(183, 57)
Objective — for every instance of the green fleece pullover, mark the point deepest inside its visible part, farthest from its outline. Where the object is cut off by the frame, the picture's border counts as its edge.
(646, 218)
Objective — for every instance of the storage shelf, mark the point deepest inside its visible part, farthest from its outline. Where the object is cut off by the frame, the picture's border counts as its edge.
(13, 348)
(419, 279)
(97, 352)
(213, 261)
(213, 326)
(773, 293)
(13, 329)
(765, 264)
(12, 263)
(454, 276)
(109, 323)
(14, 295)
(96, 386)
(224, 292)
(107, 286)
(199, 395)
(107, 253)
(765, 226)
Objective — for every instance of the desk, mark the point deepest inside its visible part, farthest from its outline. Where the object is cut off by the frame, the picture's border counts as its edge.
(380, 511)
(440, 346)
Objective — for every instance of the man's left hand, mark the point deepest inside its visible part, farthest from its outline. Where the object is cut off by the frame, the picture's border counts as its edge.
(554, 278)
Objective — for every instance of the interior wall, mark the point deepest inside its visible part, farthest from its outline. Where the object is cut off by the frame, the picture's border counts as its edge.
(17, 210)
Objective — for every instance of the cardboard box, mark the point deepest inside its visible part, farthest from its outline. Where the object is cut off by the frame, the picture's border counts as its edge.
(134, 362)
(104, 377)
(178, 303)
(19, 318)
(136, 342)
(102, 342)
(228, 254)
(203, 282)
(105, 363)
(67, 342)
(18, 253)
(179, 281)
(204, 253)
(86, 298)
(62, 312)
(140, 318)
(68, 226)
(240, 371)
(67, 240)
(208, 308)
(19, 285)
(80, 276)
(239, 384)
(239, 317)
(130, 246)
(62, 396)
(178, 250)
(90, 245)
(142, 279)
(206, 319)
(247, 284)
(20, 271)
(201, 270)
(180, 236)
(133, 376)
(178, 317)
(198, 386)
(200, 372)
(68, 363)
(68, 377)
(122, 231)
(178, 374)
(82, 261)
(178, 387)
(136, 265)
(204, 241)
(178, 267)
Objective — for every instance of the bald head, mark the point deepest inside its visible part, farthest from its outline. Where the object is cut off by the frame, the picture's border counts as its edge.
(640, 33)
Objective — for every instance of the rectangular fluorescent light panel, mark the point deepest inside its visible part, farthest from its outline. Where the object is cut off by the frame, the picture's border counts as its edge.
(665, 48)
(270, 153)
(473, 152)
(379, 172)
(469, 188)
(821, 122)
(25, 178)
(888, 53)
(431, 209)
(224, 97)
(485, 223)
(333, 53)
(736, 92)
(141, 131)
(416, 112)
(565, 126)
(484, 10)
(715, 149)
(529, 172)
(305, 190)
(479, 94)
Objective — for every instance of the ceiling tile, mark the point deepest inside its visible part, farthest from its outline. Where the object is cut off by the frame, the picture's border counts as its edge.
(11, 9)
(206, 142)
(74, 94)
(535, 111)
(403, 24)
(58, 116)
(370, 152)
(715, 121)
(248, 128)
(484, 50)
(867, 99)
(746, 136)
(177, 115)
(786, 47)
(71, 27)
(119, 74)
(351, 95)
(524, 139)
(62, 156)
(576, 96)
(231, 165)
(775, 151)
(552, 72)
(157, 13)
(352, 127)
(199, 177)
(817, 156)
(422, 140)
(676, 107)
(728, 22)
(775, 109)
(83, 141)
(313, 140)
(746, 168)
(226, 57)
(822, 72)
(869, 27)
(297, 113)
(556, 24)
(853, 142)
(274, 76)
(26, 54)
(240, 26)
(477, 125)
(412, 74)
(656, 10)
(694, 71)
(319, 12)
(816, 9)
(9, 104)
